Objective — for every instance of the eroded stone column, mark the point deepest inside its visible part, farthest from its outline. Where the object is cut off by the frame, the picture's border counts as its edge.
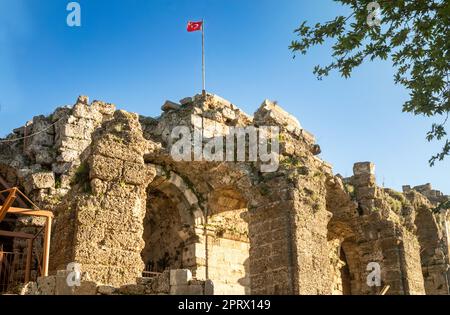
(108, 227)
(385, 236)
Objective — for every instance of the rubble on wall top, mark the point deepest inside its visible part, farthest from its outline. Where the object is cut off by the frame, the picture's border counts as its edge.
(186, 100)
(435, 196)
(270, 112)
(168, 106)
(221, 100)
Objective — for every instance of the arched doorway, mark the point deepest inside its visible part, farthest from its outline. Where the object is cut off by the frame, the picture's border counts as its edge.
(162, 224)
(339, 269)
(209, 238)
(345, 274)
(346, 268)
(170, 225)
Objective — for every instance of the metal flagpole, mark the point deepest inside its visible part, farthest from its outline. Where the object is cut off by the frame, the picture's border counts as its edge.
(203, 58)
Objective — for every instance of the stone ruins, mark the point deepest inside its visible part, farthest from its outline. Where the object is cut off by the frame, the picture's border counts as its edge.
(139, 222)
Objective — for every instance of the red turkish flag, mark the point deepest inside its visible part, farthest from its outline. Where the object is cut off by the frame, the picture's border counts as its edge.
(194, 26)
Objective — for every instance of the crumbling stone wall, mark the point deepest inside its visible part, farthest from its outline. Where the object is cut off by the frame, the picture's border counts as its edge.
(107, 215)
(372, 229)
(432, 236)
(122, 202)
(176, 282)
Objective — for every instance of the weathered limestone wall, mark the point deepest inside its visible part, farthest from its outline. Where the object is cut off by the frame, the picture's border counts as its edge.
(46, 165)
(107, 238)
(374, 225)
(270, 250)
(412, 262)
(311, 232)
(390, 230)
(51, 157)
(434, 196)
(123, 204)
(288, 228)
(432, 237)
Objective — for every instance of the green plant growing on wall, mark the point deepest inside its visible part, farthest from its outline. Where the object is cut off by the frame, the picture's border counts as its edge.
(442, 206)
(316, 206)
(117, 139)
(81, 178)
(395, 205)
(118, 128)
(351, 190)
(58, 182)
(397, 197)
(264, 189)
(290, 162)
(55, 199)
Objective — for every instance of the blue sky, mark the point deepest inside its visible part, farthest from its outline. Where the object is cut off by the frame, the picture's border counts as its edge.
(137, 54)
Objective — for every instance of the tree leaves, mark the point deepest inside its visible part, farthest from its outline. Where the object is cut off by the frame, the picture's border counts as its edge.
(414, 35)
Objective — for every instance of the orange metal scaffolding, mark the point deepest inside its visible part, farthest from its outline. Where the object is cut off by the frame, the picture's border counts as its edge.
(6, 208)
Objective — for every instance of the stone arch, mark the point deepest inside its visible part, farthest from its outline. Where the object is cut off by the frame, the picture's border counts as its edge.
(171, 224)
(173, 185)
(215, 209)
(345, 266)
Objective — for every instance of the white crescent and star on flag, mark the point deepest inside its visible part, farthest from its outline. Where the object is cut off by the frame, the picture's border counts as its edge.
(194, 26)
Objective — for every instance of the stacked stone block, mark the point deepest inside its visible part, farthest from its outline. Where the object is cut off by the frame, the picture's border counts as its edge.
(109, 219)
(175, 282)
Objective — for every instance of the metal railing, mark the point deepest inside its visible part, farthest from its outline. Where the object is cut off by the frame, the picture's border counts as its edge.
(13, 266)
(148, 273)
(19, 267)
